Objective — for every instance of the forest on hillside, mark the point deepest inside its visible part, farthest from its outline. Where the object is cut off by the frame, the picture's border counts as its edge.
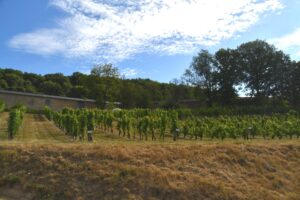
(255, 69)
(130, 92)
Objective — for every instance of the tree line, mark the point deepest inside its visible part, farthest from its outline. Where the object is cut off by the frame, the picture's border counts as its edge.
(104, 83)
(255, 69)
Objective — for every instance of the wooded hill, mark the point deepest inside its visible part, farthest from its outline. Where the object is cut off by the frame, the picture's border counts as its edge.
(132, 93)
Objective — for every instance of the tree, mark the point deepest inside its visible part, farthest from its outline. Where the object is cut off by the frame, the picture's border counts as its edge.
(35, 79)
(60, 79)
(77, 78)
(293, 91)
(51, 88)
(3, 84)
(128, 94)
(282, 75)
(105, 70)
(14, 81)
(228, 74)
(108, 77)
(201, 73)
(257, 59)
(78, 91)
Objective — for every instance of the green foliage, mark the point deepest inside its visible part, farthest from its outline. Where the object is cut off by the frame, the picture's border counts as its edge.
(15, 120)
(228, 74)
(101, 86)
(161, 123)
(2, 105)
(202, 72)
(105, 70)
(242, 110)
(263, 67)
(52, 88)
(256, 68)
(9, 180)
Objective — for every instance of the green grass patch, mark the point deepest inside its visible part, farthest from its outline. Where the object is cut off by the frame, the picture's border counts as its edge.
(10, 180)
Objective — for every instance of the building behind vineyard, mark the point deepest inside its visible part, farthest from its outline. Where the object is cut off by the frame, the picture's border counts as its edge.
(39, 101)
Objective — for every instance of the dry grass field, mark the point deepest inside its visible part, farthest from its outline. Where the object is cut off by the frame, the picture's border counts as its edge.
(42, 163)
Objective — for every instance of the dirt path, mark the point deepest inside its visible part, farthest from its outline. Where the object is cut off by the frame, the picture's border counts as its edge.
(36, 128)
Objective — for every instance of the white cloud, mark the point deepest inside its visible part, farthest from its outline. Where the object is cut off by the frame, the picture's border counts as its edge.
(129, 72)
(289, 42)
(43, 41)
(114, 30)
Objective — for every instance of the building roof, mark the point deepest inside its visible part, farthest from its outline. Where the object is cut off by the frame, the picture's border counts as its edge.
(45, 96)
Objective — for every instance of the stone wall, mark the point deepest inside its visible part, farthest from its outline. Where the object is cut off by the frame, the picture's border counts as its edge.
(38, 103)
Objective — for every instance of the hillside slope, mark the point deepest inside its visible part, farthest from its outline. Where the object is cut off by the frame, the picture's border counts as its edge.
(143, 171)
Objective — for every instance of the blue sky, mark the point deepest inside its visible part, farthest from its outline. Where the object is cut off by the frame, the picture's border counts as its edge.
(153, 39)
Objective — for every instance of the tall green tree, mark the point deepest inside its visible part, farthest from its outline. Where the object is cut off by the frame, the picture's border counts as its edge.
(105, 70)
(78, 78)
(228, 74)
(128, 95)
(293, 91)
(257, 59)
(201, 73)
(282, 73)
(108, 81)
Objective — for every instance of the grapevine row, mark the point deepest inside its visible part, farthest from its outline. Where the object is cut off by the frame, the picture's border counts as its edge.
(15, 120)
(146, 124)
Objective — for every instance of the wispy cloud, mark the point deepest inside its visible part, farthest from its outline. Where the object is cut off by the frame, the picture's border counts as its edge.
(129, 72)
(42, 42)
(114, 30)
(289, 43)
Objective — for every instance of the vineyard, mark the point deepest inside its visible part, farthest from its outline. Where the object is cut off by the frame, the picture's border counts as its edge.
(16, 116)
(131, 154)
(2, 106)
(144, 124)
(150, 100)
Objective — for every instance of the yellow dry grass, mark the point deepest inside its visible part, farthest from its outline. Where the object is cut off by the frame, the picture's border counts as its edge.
(228, 171)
